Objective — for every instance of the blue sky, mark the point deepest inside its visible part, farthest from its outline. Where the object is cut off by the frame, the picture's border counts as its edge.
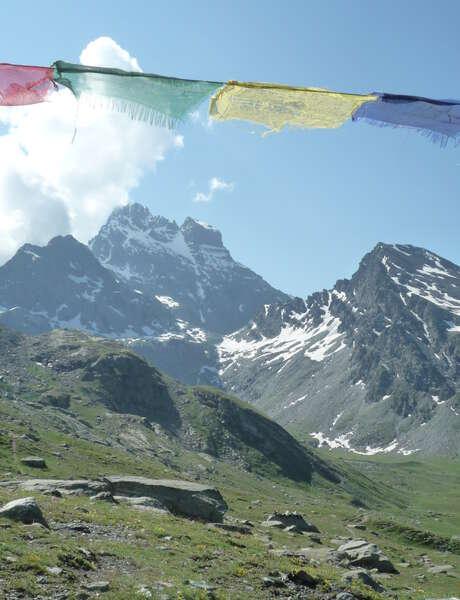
(305, 205)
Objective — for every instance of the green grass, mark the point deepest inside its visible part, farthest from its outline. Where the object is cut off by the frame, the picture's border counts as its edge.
(234, 563)
(410, 506)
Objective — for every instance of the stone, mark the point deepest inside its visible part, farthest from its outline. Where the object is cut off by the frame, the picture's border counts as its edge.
(437, 569)
(106, 496)
(181, 497)
(34, 461)
(361, 575)
(320, 555)
(344, 596)
(201, 585)
(53, 570)
(97, 586)
(361, 553)
(273, 582)
(277, 524)
(64, 486)
(292, 520)
(301, 577)
(24, 510)
(232, 527)
(142, 503)
(75, 527)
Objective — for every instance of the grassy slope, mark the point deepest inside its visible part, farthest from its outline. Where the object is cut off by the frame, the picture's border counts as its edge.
(130, 547)
(141, 555)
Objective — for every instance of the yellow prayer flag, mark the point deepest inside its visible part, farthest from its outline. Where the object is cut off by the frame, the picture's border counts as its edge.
(275, 105)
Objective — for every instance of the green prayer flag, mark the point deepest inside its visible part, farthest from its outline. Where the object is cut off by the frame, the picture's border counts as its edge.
(160, 100)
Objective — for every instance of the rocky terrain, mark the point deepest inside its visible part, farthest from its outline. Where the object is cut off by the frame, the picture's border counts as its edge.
(118, 482)
(372, 365)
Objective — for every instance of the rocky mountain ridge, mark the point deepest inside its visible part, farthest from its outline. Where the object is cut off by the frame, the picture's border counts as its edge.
(371, 365)
(187, 268)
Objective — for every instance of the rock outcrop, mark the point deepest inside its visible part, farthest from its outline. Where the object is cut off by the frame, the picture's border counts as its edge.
(181, 497)
(24, 510)
(361, 553)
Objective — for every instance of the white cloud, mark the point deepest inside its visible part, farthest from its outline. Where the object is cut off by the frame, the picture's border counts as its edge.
(105, 52)
(214, 185)
(49, 185)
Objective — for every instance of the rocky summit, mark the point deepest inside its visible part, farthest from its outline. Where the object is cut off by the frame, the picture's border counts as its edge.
(372, 365)
(187, 268)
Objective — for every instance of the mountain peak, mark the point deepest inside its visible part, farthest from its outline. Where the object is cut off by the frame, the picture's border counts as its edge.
(189, 267)
(135, 216)
(199, 233)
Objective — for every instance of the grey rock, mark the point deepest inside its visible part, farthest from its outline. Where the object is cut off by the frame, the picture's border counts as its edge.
(361, 553)
(437, 569)
(53, 570)
(344, 596)
(292, 520)
(105, 496)
(201, 585)
(319, 555)
(361, 575)
(275, 524)
(24, 510)
(231, 527)
(181, 497)
(34, 461)
(301, 577)
(97, 586)
(142, 503)
(64, 486)
(276, 582)
(74, 527)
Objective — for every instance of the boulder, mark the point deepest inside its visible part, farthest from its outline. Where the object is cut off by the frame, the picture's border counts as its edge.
(436, 569)
(24, 510)
(361, 553)
(97, 586)
(34, 461)
(142, 503)
(361, 575)
(301, 577)
(64, 486)
(105, 496)
(292, 521)
(181, 497)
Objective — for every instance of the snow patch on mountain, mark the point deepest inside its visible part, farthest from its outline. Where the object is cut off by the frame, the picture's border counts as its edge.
(168, 301)
(317, 342)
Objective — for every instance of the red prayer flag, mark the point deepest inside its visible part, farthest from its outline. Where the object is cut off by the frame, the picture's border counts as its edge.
(21, 85)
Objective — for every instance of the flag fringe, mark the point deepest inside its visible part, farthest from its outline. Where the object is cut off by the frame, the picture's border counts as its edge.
(440, 139)
(136, 110)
